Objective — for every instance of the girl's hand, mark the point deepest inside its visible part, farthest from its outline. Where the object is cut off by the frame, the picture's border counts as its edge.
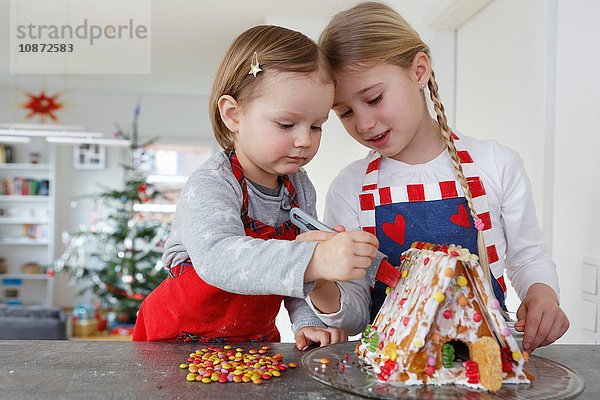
(315, 334)
(540, 317)
(346, 256)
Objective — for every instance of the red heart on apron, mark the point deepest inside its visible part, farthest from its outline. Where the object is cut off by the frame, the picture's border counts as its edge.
(462, 217)
(396, 230)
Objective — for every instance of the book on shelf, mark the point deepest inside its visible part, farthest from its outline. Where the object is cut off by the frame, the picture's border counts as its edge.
(35, 231)
(6, 154)
(24, 187)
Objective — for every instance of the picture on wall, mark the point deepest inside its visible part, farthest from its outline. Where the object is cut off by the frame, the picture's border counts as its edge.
(89, 156)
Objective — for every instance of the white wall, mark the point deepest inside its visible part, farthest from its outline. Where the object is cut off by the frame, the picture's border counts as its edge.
(500, 86)
(526, 77)
(577, 165)
(499, 80)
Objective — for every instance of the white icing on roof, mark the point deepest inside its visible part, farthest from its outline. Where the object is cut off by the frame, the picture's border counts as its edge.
(441, 296)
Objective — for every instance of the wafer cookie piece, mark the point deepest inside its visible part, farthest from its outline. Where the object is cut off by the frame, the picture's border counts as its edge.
(486, 352)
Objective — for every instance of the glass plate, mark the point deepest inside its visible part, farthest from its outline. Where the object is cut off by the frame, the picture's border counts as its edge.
(552, 380)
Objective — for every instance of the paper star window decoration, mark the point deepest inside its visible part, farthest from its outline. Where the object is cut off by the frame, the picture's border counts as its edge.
(42, 105)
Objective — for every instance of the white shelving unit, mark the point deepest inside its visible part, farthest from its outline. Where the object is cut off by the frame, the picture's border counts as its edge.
(26, 289)
(27, 226)
(10, 221)
(26, 166)
(24, 199)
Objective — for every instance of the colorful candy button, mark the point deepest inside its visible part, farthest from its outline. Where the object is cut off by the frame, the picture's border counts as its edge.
(224, 365)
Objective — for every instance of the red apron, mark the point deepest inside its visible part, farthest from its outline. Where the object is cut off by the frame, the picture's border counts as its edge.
(185, 308)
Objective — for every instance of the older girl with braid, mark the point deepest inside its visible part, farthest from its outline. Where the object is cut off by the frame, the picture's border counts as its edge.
(424, 182)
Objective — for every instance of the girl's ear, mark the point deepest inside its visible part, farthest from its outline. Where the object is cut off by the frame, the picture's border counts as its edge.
(421, 67)
(230, 112)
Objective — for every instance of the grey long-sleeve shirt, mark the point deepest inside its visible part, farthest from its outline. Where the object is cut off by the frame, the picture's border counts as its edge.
(207, 229)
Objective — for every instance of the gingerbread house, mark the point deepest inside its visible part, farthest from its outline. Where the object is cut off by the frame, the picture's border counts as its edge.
(442, 325)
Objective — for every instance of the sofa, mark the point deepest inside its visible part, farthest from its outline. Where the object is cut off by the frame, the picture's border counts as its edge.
(32, 322)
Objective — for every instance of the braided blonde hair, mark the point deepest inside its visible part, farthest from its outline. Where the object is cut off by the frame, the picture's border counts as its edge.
(372, 33)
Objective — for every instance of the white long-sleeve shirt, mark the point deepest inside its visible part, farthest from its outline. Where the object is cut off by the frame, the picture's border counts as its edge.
(518, 238)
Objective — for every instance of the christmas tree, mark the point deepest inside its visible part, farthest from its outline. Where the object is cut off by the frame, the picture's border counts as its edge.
(118, 257)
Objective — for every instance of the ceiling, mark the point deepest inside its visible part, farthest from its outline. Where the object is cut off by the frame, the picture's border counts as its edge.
(189, 37)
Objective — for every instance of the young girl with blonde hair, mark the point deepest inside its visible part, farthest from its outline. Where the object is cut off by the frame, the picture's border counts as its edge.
(231, 255)
(424, 182)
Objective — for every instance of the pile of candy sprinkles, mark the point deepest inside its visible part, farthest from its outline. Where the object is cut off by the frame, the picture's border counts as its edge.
(215, 364)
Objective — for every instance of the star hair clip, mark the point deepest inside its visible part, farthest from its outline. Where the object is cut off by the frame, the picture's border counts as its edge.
(254, 65)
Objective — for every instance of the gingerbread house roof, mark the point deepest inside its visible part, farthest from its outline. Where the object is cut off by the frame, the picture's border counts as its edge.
(443, 295)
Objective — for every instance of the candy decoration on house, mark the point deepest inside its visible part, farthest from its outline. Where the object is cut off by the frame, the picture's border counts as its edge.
(443, 324)
(118, 258)
(42, 105)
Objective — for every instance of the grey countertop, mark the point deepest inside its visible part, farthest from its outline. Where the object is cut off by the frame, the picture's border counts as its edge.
(146, 370)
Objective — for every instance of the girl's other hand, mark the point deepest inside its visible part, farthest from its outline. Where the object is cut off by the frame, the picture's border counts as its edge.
(540, 318)
(314, 334)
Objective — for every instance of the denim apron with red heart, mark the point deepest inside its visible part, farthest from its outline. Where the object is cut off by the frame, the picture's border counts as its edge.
(186, 308)
(434, 212)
